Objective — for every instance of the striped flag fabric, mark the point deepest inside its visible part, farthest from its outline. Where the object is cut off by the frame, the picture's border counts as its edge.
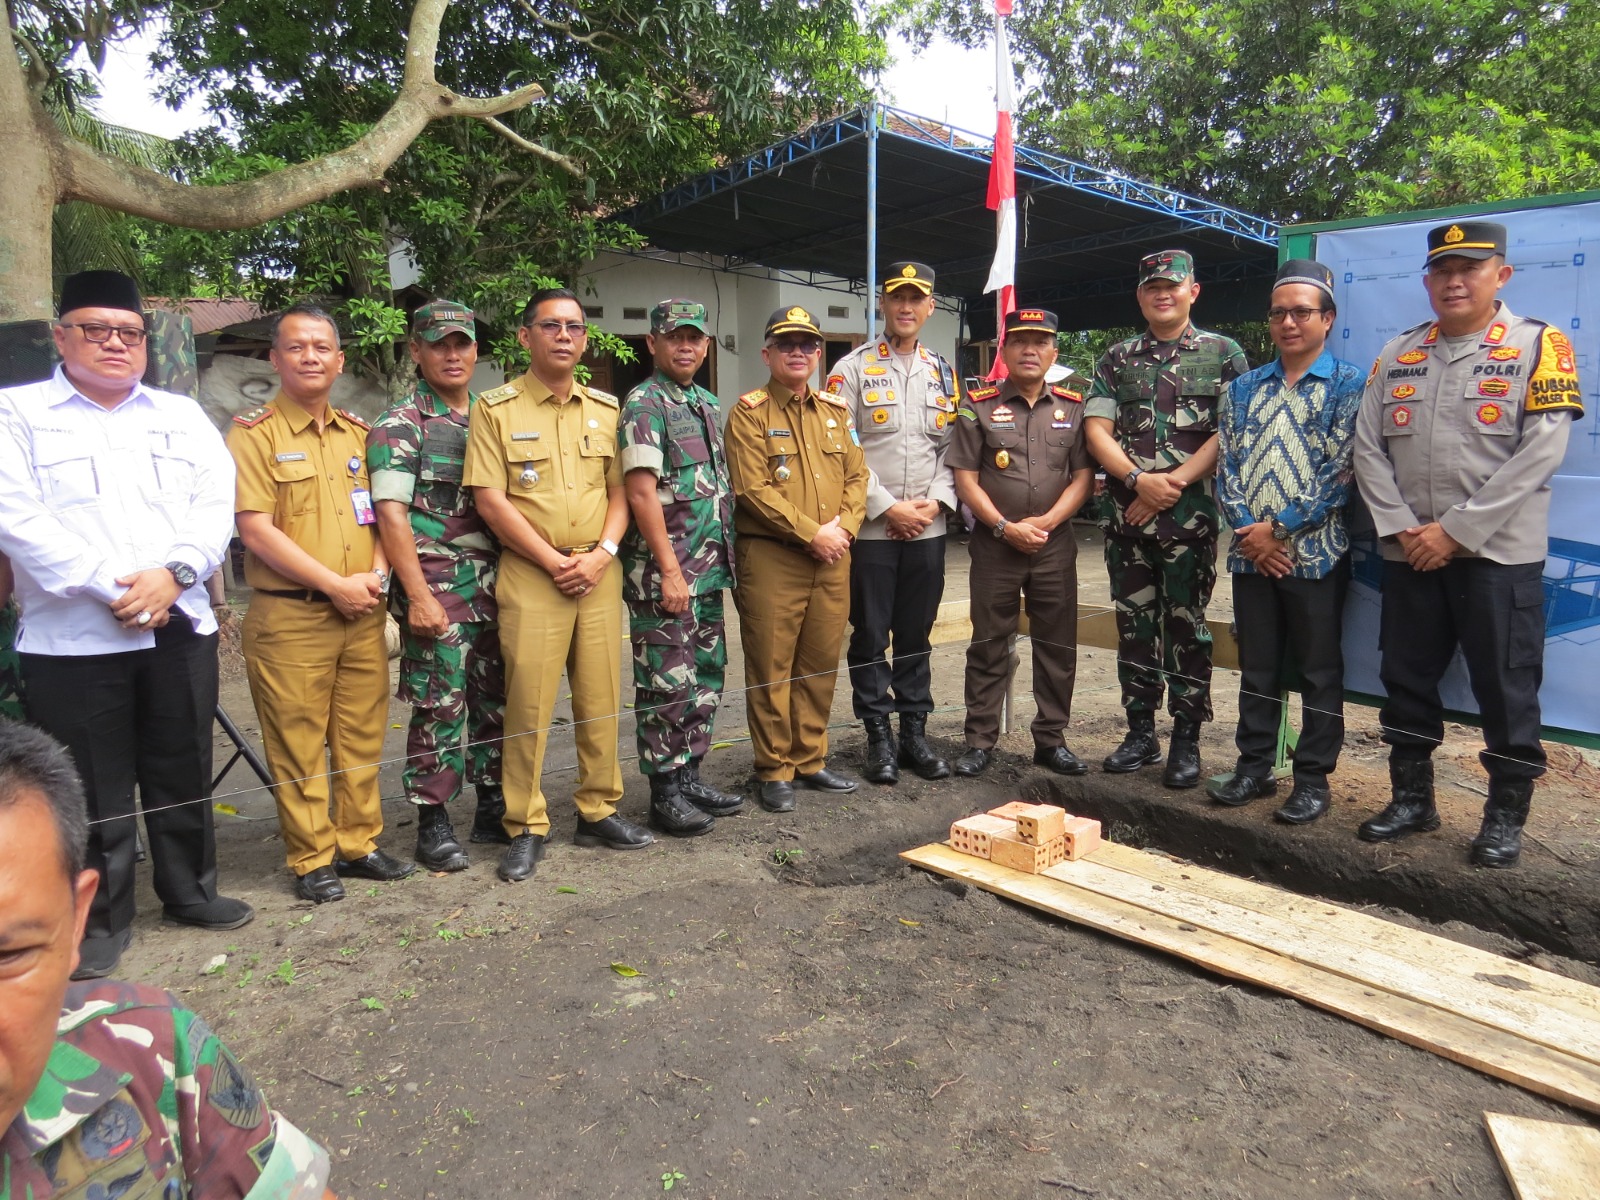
(1003, 190)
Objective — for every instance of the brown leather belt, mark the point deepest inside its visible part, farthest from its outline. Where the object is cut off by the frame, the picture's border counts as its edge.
(305, 594)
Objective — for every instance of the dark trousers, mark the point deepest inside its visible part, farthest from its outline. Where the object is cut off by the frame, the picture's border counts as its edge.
(1277, 619)
(1000, 578)
(1495, 613)
(141, 718)
(895, 589)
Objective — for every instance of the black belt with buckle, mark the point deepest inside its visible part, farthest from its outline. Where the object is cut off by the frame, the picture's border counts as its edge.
(305, 594)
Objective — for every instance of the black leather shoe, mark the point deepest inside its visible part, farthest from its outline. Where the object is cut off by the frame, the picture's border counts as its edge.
(670, 813)
(614, 833)
(973, 762)
(1307, 801)
(775, 795)
(99, 956)
(916, 751)
(825, 780)
(1183, 755)
(1410, 808)
(705, 797)
(320, 886)
(1240, 788)
(486, 822)
(376, 865)
(1499, 840)
(1060, 760)
(521, 857)
(1138, 749)
(221, 912)
(437, 848)
(882, 751)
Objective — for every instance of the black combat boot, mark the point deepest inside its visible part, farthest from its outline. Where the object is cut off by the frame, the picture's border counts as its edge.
(437, 848)
(1183, 755)
(1499, 841)
(1410, 808)
(915, 751)
(881, 752)
(487, 826)
(671, 813)
(705, 797)
(1138, 749)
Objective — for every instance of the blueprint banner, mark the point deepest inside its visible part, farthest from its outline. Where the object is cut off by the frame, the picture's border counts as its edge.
(1377, 275)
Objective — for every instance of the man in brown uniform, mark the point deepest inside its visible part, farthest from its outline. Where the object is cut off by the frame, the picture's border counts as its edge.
(1021, 466)
(542, 463)
(313, 639)
(800, 488)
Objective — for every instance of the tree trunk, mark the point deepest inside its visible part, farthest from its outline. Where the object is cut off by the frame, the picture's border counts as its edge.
(27, 200)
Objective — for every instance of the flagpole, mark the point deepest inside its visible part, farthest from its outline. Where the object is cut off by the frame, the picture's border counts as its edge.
(1002, 197)
(872, 219)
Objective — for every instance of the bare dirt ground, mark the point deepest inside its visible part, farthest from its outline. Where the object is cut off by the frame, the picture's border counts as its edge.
(811, 1017)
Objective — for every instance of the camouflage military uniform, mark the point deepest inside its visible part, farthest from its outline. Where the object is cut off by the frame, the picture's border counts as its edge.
(679, 659)
(1162, 399)
(10, 669)
(416, 453)
(140, 1100)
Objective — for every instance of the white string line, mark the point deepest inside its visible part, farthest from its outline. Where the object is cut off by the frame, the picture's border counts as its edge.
(505, 737)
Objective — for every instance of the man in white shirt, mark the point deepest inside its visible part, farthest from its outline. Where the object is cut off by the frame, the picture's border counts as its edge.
(116, 503)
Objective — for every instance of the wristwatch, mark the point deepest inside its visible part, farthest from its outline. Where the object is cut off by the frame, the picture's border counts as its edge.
(1132, 477)
(185, 575)
(383, 579)
(1280, 531)
(609, 547)
(1000, 527)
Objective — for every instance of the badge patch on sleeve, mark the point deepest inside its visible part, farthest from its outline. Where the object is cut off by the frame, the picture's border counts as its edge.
(1490, 414)
(1401, 417)
(1412, 356)
(1404, 392)
(1494, 387)
(1553, 387)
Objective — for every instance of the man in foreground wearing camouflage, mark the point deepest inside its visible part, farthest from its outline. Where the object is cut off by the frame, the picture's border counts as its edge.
(443, 557)
(677, 559)
(110, 1088)
(1151, 422)
(1464, 420)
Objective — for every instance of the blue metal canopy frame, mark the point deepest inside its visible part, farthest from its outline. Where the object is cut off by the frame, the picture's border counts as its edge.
(881, 184)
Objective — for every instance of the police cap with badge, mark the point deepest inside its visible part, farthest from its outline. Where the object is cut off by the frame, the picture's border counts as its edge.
(792, 319)
(1033, 320)
(908, 275)
(1467, 239)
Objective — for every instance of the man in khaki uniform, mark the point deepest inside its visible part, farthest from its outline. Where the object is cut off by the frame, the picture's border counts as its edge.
(542, 463)
(800, 488)
(313, 639)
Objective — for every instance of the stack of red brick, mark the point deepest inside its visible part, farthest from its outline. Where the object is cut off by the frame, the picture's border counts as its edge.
(1025, 837)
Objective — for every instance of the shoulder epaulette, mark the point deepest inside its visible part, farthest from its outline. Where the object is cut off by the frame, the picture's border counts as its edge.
(252, 418)
(605, 398)
(830, 398)
(754, 399)
(504, 392)
(1065, 393)
(352, 418)
(983, 393)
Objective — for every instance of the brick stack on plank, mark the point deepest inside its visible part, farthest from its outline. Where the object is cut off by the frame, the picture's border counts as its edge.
(1025, 837)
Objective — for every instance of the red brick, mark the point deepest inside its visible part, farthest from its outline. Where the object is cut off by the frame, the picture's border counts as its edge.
(1011, 851)
(1012, 810)
(1082, 837)
(1041, 823)
(972, 835)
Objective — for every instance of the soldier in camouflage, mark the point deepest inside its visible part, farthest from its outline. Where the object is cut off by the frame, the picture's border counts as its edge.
(444, 558)
(1151, 422)
(677, 559)
(108, 1088)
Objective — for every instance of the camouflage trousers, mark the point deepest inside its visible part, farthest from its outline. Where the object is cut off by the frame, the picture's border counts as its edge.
(1161, 589)
(457, 689)
(679, 660)
(10, 668)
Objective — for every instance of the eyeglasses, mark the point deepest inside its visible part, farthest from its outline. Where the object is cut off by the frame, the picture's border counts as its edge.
(805, 346)
(1299, 315)
(575, 329)
(93, 331)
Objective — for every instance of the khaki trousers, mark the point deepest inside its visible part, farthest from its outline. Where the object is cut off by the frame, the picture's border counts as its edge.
(542, 633)
(792, 613)
(321, 689)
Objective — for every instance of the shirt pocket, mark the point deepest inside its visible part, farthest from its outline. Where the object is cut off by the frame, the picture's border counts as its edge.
(1136, 410)
(1399, 419)
(1058, 447)
(693, 474)
(938, 414)
(1493, 414)
(173, 462)
(880, 411)
(66, 472)
(595, 453)
(1194, 415)
(297, 487)
(528, 470)
(443, 457)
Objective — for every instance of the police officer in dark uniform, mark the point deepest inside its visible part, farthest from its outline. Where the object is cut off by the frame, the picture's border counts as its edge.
(1021, 465)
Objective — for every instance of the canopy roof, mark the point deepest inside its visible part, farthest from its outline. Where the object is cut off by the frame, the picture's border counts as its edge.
(801, 205)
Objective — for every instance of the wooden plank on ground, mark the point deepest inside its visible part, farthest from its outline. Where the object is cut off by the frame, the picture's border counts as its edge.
(1546, 1160)
(1501, 1005)
(1438, 954)
(1495, 1052)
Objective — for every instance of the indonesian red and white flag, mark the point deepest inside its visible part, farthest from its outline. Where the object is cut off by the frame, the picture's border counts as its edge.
(1003, 190)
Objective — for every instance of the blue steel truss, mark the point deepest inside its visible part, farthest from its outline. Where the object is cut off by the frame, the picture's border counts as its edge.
(1033, 164)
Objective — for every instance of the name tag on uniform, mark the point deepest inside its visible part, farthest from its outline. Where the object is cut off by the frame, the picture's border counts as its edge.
(1060, 424)
(779, 433)
(361, 503)
(531, 435)
(297, 456)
